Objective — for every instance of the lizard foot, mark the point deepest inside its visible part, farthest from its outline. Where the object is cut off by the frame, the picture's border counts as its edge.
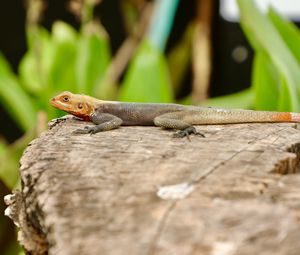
(187, 132)
(86, 130)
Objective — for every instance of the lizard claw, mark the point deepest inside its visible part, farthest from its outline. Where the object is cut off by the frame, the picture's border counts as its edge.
(85, 130)
(91, 130)
(187, 132)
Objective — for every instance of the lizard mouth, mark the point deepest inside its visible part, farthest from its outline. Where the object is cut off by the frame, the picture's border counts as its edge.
(58, 104)
(54, 102)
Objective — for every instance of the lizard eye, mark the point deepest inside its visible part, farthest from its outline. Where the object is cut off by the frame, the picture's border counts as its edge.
(80, 106)
(66, 99)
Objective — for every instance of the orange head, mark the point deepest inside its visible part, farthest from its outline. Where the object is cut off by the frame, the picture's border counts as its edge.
(78, 105)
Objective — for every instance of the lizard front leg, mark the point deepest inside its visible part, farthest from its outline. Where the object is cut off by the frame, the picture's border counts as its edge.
(173, 120)
(103, 121)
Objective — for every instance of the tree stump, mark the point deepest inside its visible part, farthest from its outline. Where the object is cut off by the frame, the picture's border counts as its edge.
(137, 190)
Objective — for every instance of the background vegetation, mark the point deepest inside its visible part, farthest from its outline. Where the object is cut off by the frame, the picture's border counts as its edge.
(81, 61)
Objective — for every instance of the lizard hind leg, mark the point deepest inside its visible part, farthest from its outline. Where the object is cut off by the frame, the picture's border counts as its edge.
(173, 121)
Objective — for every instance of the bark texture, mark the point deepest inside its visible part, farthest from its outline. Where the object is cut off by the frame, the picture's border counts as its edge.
(137, 190)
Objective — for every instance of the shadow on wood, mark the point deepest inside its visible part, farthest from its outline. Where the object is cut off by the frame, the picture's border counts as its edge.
(137, 190)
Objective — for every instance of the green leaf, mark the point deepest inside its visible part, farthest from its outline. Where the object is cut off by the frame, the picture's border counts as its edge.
(147, 79)
(265, 81)
(63, 32)
(34, 65)
(179, 58)
(61, 75)
(263, 35)
(289, 33)
(30, 74)
(241, 100)
(9, 161)
(284, 104)
(14, 99)
(2, 147)
(92, 61)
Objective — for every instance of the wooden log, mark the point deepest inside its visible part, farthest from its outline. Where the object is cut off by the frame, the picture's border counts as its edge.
(137, 190)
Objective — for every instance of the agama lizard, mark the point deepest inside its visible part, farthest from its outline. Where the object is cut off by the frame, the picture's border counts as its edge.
(107, 115)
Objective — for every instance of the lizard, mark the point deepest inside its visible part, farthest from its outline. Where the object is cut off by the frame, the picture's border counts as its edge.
(108, 115)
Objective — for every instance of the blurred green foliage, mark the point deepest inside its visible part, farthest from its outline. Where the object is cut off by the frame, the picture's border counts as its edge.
(148, 78)
(276, 65)
(271, 48)
(78, 61)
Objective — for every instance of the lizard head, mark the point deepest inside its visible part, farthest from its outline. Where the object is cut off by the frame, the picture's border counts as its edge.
(78, 105)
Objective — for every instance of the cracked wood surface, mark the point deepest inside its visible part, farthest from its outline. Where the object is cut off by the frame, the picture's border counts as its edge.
(98, 194)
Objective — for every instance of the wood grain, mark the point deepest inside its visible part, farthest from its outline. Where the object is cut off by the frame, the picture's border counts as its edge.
(98, 194)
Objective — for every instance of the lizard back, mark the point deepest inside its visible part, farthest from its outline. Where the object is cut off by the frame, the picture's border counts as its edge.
(138, 113)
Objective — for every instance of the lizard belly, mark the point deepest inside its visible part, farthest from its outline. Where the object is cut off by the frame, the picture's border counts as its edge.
(142, 114)
(136, 119)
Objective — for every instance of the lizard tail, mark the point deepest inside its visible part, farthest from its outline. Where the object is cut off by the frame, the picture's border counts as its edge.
(295, 117)
(226, 116)
(268, 116)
